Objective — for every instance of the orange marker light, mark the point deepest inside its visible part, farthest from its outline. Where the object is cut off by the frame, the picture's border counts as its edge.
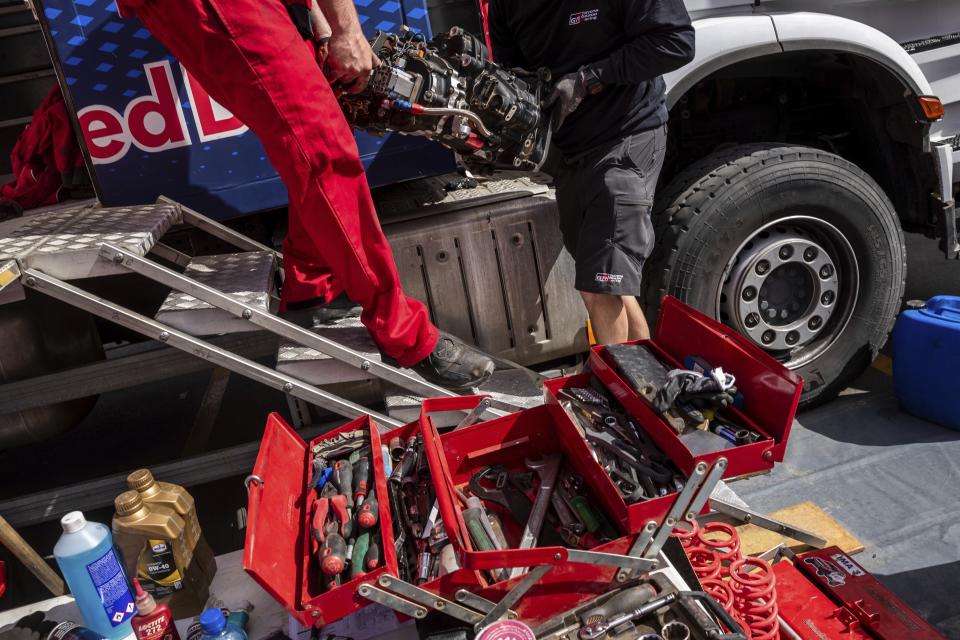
(931, 106)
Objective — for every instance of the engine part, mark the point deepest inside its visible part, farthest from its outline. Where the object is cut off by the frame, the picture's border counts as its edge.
(447, 89)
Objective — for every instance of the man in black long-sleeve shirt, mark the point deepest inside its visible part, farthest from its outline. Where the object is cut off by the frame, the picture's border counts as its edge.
(609, 130)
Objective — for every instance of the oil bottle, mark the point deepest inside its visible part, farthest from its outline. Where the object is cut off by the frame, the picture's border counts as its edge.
(171, 496)
(154, 549)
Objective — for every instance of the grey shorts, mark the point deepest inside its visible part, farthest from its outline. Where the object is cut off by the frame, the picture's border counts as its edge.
(604, 198)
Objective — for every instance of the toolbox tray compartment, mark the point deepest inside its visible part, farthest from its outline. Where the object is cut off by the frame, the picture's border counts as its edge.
(507, 440)
(770, 391)
(631, 517)
(277, 547)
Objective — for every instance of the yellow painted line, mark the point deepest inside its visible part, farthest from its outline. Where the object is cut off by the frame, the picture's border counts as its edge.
(883, 364)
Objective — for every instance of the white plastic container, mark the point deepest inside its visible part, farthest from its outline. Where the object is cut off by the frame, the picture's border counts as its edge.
(94, 573)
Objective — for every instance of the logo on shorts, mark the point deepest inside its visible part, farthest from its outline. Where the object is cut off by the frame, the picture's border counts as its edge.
(583, 16)
(613, 278)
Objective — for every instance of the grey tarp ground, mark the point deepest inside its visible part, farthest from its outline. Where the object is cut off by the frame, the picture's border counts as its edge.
(892, 480)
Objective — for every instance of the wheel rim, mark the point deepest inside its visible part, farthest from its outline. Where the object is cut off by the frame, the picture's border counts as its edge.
(791, 288)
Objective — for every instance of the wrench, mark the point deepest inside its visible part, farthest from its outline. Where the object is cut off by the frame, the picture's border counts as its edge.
(547, 468)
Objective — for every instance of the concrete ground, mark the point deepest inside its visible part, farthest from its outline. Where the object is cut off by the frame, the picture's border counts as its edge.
(889, 478)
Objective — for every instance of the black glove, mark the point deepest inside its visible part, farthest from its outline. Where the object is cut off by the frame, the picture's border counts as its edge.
(567, 95)
(300, 15)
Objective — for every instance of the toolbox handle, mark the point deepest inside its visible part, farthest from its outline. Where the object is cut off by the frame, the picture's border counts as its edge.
(510, 558)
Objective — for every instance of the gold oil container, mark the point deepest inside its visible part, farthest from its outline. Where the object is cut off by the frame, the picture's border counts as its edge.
(153, 545)
(179, 500)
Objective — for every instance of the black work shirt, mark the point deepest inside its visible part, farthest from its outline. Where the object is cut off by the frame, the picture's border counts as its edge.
(628, 44)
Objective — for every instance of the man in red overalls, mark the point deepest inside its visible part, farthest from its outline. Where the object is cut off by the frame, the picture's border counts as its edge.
(253, 60)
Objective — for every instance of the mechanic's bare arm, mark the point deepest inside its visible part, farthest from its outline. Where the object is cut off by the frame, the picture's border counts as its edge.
(350, 58)
(321, 28)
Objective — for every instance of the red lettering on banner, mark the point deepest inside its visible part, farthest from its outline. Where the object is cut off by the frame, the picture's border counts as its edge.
(213, 120)
(104, 133)
(156, 121)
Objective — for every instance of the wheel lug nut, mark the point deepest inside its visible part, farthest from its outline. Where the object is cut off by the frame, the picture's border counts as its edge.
(826, 271)
(827, 297)
(793, 337)
(785, 252)
(749, 293)
(815, 323)
(810, 254)
(751, 320)
(768, 336)
(762, 267)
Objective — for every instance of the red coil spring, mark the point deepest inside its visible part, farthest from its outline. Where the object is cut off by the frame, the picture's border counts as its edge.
(706, 562)
(755, 597)
(722, 538)
(686, 532)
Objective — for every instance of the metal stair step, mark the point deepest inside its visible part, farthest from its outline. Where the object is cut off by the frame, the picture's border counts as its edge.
(247, 277)
(508, 388)
(64, 241)
(319, 369)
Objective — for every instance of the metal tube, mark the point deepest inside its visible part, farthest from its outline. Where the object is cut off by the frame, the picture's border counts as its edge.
(153, 329)
(463, 113)
(270, 322)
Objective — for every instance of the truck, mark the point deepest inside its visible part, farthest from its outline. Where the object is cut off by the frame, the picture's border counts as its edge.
(805, 139)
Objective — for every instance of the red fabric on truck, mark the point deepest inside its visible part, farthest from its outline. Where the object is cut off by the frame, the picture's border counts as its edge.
(45, 154)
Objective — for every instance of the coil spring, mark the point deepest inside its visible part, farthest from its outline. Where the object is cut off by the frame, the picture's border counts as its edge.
(755, 597)
(722, 538)
(686, 532)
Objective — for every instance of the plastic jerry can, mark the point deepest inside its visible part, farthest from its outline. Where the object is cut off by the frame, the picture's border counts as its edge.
(95, 576)
(174, 497)
(926, 348)
(155, 551)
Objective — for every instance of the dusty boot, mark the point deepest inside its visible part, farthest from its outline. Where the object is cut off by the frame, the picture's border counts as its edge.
(455, 365)
(316, 312)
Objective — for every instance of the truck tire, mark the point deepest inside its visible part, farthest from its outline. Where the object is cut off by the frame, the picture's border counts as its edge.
(794, 247)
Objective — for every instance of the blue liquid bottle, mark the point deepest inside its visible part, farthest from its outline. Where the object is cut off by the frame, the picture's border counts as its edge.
(94, 573)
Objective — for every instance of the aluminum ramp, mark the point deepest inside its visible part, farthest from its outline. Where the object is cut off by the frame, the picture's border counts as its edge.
(212, 295)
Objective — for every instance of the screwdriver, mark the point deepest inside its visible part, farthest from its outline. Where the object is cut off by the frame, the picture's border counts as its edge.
(343, 478)
(333, 554)
(360, 549)
(372, 559)
(367, 513)
(361, 479)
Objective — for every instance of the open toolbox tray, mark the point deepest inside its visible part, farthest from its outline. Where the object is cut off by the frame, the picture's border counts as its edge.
(632, 517)
(574, 576)
(277, 548)
(770, 391)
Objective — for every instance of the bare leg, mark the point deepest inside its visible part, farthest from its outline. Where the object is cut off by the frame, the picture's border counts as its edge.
(637, 322)
(615, 319)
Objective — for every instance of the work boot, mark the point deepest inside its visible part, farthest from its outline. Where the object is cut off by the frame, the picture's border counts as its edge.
(455, 365)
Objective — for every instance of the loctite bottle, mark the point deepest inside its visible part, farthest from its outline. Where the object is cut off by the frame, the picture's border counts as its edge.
(153, 621)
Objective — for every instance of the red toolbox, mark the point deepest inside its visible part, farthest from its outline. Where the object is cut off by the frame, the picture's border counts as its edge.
(771, 392)
(508, 441)
(632, 517)
(277, 548)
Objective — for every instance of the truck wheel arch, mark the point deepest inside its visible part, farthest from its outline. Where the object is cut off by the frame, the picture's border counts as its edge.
(759, 35)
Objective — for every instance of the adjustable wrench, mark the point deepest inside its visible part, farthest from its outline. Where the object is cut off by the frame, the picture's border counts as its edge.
(547, 468)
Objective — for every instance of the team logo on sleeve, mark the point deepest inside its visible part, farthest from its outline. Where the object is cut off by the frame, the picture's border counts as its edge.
(583, 16)
(612, 278)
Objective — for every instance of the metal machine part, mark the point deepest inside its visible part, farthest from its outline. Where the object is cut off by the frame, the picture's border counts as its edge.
(447, 89)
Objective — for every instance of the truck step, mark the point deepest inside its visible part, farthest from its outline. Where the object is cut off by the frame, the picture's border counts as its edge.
(319, 369)
(510, 389)
(64, 242)
(247, 276)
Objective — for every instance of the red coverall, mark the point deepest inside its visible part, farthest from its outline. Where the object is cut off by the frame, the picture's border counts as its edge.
(251, 59)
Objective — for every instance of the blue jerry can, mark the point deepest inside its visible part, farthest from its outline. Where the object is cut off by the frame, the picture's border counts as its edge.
(926, 349)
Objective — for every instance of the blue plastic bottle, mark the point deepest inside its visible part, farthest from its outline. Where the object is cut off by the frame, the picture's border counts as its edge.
(94, 573)
(216, 627)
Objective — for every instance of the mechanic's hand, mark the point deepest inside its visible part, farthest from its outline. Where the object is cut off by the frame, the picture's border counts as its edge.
(567, 95)
(350, 60)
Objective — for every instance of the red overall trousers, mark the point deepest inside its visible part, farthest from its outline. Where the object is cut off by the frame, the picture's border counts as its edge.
(250, 58)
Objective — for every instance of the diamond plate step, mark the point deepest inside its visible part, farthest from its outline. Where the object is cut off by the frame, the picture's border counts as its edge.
(318, 369)
(247, 277)
(506, 387)
(64, 242)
